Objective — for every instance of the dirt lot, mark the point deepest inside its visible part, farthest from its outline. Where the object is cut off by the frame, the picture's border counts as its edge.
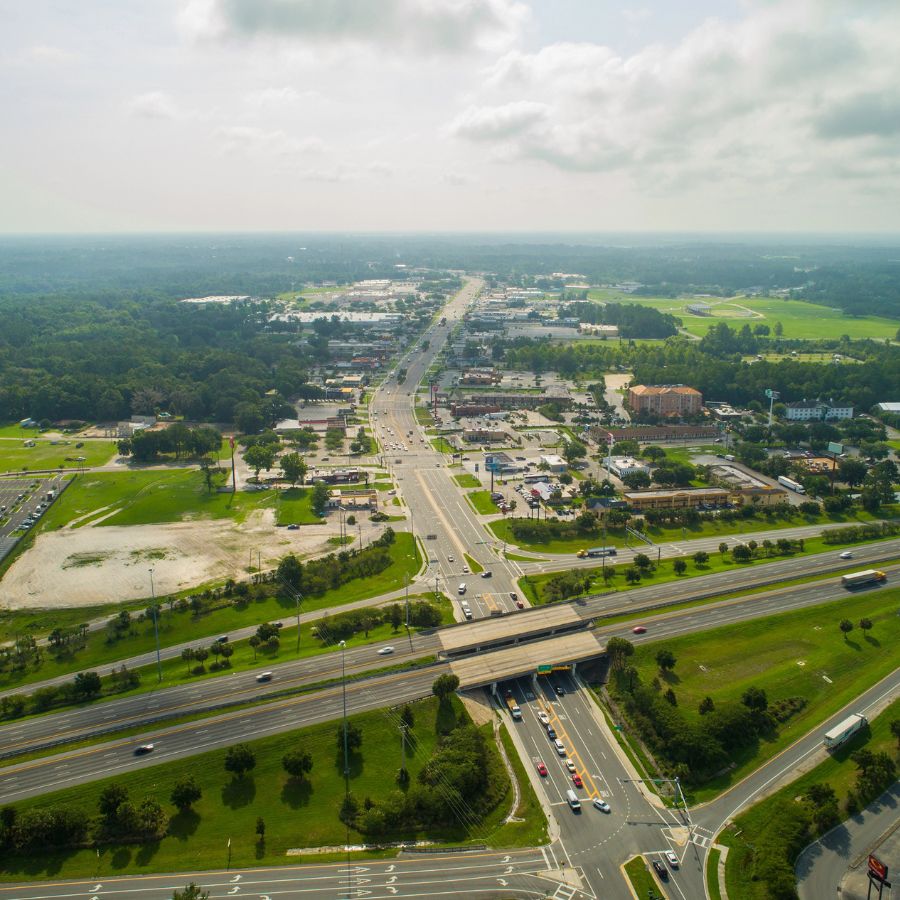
(90, 565)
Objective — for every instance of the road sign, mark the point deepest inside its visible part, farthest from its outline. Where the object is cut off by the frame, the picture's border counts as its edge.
(544, 670)
(877, 869)
(835, 448)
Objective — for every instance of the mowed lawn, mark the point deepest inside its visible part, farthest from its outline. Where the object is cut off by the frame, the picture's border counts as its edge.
(796, 654)
(296, 815)
(482, 503)
(150, 496)
(15, 456)
(799, 319)
(466, 480)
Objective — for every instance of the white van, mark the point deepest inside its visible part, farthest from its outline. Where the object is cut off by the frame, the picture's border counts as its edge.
(461, 589)
(573, 801)
(560, 747)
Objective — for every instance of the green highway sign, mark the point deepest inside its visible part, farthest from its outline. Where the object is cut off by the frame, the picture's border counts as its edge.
(544, 670)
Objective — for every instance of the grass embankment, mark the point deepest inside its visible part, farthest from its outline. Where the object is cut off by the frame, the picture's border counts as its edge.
(296, 814)
(58, 454)
(467, 481)
(757, 831)
(177, 627)
(535, 586)
(481, 502)
(642, 881)
(474, 565)
(800, 654)
(715, 527)
(712, 874)
(531, 831)
(424, 416)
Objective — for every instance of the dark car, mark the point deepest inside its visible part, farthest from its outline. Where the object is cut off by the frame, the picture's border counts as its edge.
(560, 690)
(551, 732)
(660, 870)
(142, 749)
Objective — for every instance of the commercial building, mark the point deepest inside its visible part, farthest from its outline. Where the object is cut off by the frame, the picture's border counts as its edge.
(626, 465)
(480, 376)
(817, 411)
(665, 399)
(556, 464)
(646, 434)
(344, 499)
(687, 498)
(606, 331)
(484, 435)
(462, 410)
(519, 401)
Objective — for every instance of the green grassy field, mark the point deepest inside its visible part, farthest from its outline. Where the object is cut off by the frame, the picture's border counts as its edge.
(800, 320)
(467, 481)
(296, 814)
(753, 829)
(293, 507)
(180, 627)
(15, 456)
(149, 497)
(481, 502)
(788, 655)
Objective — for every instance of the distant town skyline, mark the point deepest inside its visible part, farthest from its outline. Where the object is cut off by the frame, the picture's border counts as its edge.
(450, 115)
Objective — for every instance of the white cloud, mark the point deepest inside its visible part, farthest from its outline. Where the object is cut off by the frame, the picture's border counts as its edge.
(257, 141)
(275, 97)
(492, 123)
(154, 105)
(47, 55)
(766, 97)
(420, 26)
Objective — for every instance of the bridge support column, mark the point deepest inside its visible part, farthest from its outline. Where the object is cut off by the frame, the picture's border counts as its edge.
(494, 688)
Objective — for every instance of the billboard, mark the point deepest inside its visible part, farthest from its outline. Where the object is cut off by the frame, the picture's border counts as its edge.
(835, 448)
(877, 869)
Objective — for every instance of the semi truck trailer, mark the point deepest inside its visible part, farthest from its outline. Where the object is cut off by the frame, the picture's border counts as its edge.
(866, 576)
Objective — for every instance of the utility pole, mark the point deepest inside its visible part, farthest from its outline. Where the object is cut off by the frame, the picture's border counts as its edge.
(156, 626)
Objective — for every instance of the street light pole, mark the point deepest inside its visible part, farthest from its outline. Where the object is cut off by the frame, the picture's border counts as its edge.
(155, 626)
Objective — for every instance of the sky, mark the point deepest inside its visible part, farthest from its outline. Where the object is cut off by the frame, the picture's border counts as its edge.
(450, 115)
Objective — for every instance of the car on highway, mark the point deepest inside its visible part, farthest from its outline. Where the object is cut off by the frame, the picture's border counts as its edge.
(560, 747)
(465, 570)
(264, 676)
(513, 595)
(385, 651)
(520, 604)
(487, 573)
(542, 770)
(451, 558)
(551, 732)
(845, 555)
(560, 690)
(543, 718)
(570, 765)
(293, 527)
(141, 749)
(602, 805)
(672, 858)
(660, 870)
(638, 629)
(576, 780)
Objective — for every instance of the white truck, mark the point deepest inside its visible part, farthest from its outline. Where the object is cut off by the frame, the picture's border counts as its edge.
(866, 576)
(836, 736)
(791, 485)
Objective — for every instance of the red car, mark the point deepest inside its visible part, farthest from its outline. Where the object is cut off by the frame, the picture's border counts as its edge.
(542, 770)
(638, 629)
(576, 780)
(520, 604)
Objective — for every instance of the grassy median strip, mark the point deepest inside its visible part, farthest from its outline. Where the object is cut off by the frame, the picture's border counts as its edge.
(642, 881)
(712, 874)
(467, 481)
(474, 565)
(531, 828)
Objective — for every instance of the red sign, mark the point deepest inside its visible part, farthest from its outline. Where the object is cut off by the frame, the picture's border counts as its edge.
(231, 441)
(877, 869)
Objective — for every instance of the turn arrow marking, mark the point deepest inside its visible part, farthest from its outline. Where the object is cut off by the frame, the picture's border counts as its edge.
(96, 888)
(503, 881)
(235, 879)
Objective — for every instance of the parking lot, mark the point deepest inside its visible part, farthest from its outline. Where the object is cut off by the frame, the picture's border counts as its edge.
(23, 500)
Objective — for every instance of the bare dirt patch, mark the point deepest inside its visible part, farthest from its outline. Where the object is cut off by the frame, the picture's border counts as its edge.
(86, 566)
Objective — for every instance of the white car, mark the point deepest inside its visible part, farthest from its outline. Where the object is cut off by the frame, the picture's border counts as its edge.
(385, 651)
(465, 570)
(845, 555)
(560, 748)
(451, 558)
(264, 676)
(672, 858)
(602, 805)
(543, 718)
(570, 765)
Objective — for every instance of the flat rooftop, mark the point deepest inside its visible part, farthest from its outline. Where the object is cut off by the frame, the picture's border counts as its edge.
(512, 662)
(498, 629)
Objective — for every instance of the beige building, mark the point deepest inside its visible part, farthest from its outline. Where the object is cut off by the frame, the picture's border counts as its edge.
(665, 399)
(685, 498)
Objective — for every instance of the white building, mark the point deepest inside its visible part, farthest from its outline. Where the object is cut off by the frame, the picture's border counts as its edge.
(816, 411)
(626, 465)
(557, 464)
